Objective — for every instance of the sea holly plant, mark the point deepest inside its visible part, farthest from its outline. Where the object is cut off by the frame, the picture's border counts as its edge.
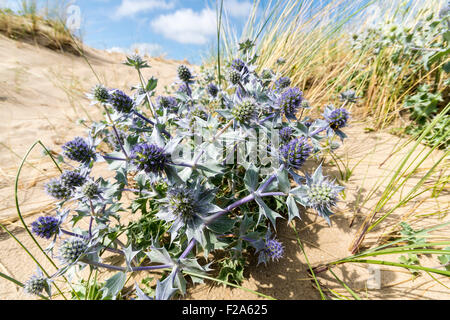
(211, 167)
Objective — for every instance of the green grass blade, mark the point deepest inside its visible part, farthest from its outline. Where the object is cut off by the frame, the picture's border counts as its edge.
(353, 293)
(309, 265)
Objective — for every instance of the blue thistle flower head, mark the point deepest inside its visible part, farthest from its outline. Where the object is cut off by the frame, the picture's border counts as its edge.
(267, 74)
(319, 193)
(58, 190)
(72, 249)
(35, 285)
(72, 179)
(289, 101)
(78, 150)
(181, 201)
(269, 248)
(100, 93)
(90, 190)
(282, 83)
(286, 134)
(234, 77)
(120, 101)
(239, 66)
(296, 152)
(186, 207)
(45, 227)
(212, 90)
(184, 74)
(196, 111)
(273, 249)
(167, 102)
(149, 157)
(245, 111)
(336, 118)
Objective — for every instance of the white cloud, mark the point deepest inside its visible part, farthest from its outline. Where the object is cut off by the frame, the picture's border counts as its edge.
(131, 7)
(143, 48)
(238, 9)
(187, 26)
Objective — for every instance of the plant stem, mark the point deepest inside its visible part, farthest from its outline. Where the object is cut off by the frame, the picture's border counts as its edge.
(115, 131)
(113, 158)
(117, 268)
(164, 131)
(152, 109)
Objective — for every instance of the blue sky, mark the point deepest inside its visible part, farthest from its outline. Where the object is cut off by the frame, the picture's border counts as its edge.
(178, 29)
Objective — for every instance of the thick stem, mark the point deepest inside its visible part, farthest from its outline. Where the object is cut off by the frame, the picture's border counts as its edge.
(182, 164)
(164, 131)
(144, 118)
(190, 246)
(93, 214)
(319, 130)
(268, 194)
(270, 180)
(113, 158)
(267, 118)
(133, 269)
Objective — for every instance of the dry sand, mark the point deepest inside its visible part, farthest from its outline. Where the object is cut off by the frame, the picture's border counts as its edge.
(42, 97)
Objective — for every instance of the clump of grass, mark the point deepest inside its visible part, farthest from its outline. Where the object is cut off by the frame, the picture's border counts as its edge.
(41, 29)
(382, 50)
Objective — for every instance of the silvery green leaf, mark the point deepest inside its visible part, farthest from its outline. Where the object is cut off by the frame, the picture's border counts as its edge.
(129, 256)
(140, 294)
(185, 174)
(157, 138)
(251, 178)
(177, 278)
(283, 181)
(221, 225)
(318, 175)
(193, 265)
(159, 255)
(114, 285)
(292, 208)
(211, 167)
(267, 212)
(194, 230)
(172, 145)
(141, 180)
(151, 84)
(341, 135)
(164, 289)
(172, 175)
(300, 195)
